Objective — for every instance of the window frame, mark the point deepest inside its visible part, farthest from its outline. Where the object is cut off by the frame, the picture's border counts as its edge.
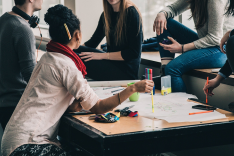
(45, 26)
(1, 8)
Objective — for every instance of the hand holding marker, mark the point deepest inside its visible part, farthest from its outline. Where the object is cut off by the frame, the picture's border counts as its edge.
(149, 76)
(207, 82)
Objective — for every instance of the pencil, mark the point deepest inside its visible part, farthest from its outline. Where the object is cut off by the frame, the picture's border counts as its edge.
(201, 112)
(117, 90)
(207, 82)
(152, 94)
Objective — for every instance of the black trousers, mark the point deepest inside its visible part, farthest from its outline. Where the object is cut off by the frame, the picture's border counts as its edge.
(102, 70)
(5, 115)
(230, 52)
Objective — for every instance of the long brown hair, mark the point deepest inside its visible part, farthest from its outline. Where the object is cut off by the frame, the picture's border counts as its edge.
(230, 8)
(199, 11)
(120, 31)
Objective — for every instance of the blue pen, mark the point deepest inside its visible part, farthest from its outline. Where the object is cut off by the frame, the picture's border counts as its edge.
(146, 73)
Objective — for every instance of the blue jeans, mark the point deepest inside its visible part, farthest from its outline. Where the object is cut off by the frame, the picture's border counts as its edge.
(211, 57)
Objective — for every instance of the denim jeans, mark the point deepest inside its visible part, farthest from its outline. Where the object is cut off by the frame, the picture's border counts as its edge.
(211, 57)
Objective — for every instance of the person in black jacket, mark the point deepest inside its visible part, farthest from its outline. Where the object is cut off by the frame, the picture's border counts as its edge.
(121, 24)
(226, 47)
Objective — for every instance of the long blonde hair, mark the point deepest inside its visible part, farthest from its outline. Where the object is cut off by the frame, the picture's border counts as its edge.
(120, 32)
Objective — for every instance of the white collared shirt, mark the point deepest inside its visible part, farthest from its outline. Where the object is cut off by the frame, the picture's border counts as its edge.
(53, 86)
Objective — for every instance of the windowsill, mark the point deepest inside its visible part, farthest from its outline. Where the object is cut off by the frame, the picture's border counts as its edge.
(43, 26)
(38, 38)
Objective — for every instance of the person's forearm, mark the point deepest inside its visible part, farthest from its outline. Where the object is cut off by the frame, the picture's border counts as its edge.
(219, 78)
(112, 56)
(189, 46)
(110, 103)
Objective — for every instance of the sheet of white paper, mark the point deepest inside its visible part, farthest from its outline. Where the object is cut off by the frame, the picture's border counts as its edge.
(172, 108)
(110, 83)
(193, 118)
(105, 92)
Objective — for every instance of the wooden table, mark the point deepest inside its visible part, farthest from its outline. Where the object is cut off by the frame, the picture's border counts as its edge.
(139, 136)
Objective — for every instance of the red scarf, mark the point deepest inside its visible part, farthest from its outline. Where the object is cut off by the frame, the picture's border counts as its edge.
(65, 50)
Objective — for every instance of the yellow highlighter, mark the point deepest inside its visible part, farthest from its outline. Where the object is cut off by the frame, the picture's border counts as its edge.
(152, 96)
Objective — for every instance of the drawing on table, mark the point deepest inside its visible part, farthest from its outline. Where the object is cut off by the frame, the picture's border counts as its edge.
(163, 107)
(172, 108)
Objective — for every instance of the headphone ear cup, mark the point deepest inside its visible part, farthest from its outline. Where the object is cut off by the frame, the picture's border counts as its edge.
(34, 21)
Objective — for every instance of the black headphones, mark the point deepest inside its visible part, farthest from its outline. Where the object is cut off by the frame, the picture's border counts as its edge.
(33, 20)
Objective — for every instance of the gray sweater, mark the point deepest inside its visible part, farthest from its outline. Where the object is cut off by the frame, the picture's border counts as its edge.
(217, 25)
(17, 58)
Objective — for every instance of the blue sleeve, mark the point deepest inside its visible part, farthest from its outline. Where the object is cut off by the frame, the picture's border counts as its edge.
(226, 70)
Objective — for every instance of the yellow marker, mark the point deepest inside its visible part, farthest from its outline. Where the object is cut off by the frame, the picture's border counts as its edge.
(152, 96)
(118, 115)
(104, 117)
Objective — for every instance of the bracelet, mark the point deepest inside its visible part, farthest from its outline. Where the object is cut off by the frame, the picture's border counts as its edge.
(165, 13)
(182, 48)
(119, 98)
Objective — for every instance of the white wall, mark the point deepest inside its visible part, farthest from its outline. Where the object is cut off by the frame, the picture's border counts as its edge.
(89, 12)
(185, 20)
(7, 5)
(149, 10)
(44, 30)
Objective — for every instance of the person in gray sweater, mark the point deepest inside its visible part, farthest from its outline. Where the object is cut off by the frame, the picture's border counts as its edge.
(17, 56)
(199, 49)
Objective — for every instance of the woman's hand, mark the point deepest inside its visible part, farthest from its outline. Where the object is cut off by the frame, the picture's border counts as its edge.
(88, 56)
(175, 47)
(224, 41)
(144, 86)
(160, 23)
(112, 102)
(214, 83)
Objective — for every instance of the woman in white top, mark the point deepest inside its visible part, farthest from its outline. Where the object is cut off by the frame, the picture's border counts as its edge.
(56, 85)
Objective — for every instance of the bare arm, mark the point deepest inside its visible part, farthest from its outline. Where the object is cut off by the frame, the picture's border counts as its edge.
(189, 46)
(88, 56)
(214, 83)
(110, 103)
